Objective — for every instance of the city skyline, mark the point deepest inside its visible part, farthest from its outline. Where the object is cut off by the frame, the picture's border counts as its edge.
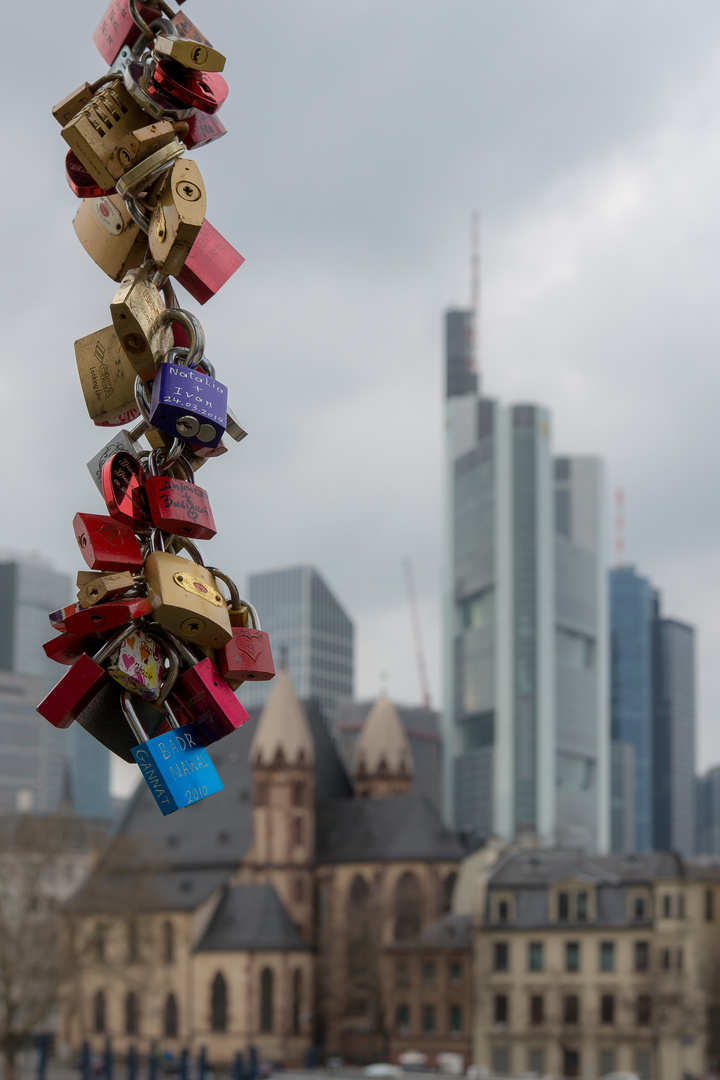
(586, 135)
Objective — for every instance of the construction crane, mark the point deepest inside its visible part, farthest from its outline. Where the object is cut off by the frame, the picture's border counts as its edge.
(419, 652)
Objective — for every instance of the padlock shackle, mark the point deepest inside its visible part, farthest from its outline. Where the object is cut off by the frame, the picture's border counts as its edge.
(174, 643)
(133, 720)
(138, 20)
(149, 168)
(234, 591)
(112, 644)
(193, 328)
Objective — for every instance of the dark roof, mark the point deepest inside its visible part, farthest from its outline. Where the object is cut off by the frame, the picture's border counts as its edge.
(542, 868)
(372, 830)
(250, 918)
(703, 868)
(331, 779)
(449, 932)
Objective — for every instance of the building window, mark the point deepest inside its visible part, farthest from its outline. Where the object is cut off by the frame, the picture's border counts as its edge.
(571, 1009)
(607, 956)
(503, 911)
(428, 1019)
(563, 906)
(502, 956)
(170, 1018)
(455, 1020)
(402, 974)
(667, 906)
(100, 940)
(607, 1009)
(536, 1060)
(642, 1064)
(501, 1060)
(402, 1020)
(535, 956)
(643, 1009)
(571, 1062)
(99, 1012)
(581, 906)
(408, 907)
(501, 1009)
(665, 959)
(679, 959)
(456, 974)
(133, 950)
(132, 1016)
(639, 907)
(642, 956)
(572, 955)
(298, 794)
(709, 907)
(606, 1061)
(537, 1009)
(681, 906)
(296, 1000)
(266, 1000)
(168, 942)
(428, 974)
(218, 1003)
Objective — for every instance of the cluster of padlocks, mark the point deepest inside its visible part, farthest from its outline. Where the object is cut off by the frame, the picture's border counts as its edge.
(155, 648)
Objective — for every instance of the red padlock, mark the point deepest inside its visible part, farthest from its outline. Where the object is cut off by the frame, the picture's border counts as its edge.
(201, 697)
(212, 261)
(178, 506)
(204, 90)
(80, 684)
(80, 181)
(106, 544)
(65, 648)
(108, 615)
(202, 128)
(57, 618)
(247, 656)
(123, 489)
(118, 29)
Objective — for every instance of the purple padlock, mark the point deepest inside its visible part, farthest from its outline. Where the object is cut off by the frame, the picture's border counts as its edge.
(188, 404)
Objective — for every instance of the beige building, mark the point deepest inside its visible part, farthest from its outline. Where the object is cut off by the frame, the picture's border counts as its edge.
(586, 965)
(259, 916)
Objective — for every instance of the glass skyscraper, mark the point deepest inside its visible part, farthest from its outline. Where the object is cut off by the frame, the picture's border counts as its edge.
(309, 632)
(525, 624)
(40, 766)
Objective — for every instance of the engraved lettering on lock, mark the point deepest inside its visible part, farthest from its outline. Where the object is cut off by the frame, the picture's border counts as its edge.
(192, 584)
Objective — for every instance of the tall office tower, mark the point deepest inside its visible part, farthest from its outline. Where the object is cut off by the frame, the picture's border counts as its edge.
(309, 631)
(632, 605)
(674, 735)
(707, 811)
(40, 767)
(653, 720)
(525, 622)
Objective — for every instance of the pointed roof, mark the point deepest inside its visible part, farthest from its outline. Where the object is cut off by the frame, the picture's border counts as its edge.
(383, 740)
(283, 728)
(251, 918)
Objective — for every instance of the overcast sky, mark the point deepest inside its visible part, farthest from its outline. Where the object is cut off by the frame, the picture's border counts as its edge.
(361, 136)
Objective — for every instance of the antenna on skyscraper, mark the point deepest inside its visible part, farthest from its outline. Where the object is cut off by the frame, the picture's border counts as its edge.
(619, 528)
(474, 321)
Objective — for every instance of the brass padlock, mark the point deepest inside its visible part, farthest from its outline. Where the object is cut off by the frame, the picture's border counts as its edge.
(137, 312)
(100, 126)
(191, 54)
(101, 586)
(111, 238)
(140, 144)
(184, 596)
(178, 216)
(107, 377)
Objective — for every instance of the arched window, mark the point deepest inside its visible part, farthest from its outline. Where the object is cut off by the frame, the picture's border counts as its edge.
(296, 1000)
(168, 942)
(171, 1017)
(358, 927)
(218, 1003)
(132, 1013)
(99, 1012)
(133, 949)
(408, 907)
(266, 1000)
(100, 935)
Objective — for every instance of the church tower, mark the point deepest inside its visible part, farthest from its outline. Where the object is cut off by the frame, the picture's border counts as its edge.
(282, 757)
(382, 760)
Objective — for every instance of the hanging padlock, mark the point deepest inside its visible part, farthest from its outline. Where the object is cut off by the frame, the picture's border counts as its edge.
(188, 404)
(65, 648)
(106, 544)
(152, 98)
(211, 262)
(203, 129)
(248, 655)
(122, 440)
(175, 766)
(188, 52)
(57, 618)
(137, 311)
(138, 665)
(107, 378)
(79, 685)
(203, 90)
(184, 596)
(117, 29)
(101, 587)
(178, 506)
(202, 697)
(100, 618)
(80, 182)
(108, 233)
(177, 217)
(123, 489)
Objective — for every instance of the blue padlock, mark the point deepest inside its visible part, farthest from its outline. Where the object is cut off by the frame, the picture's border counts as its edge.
(188, 404)
(175, 766)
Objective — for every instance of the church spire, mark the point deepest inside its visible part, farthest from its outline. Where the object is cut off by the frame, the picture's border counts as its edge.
(382, 761)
